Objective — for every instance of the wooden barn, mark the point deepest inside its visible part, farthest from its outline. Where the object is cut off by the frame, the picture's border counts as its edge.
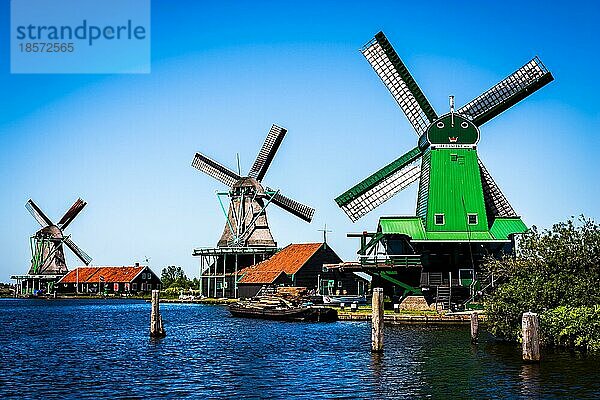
(116, 280)
(299, 265)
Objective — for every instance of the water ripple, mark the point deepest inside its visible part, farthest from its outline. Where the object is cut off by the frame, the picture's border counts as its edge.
(100, 348)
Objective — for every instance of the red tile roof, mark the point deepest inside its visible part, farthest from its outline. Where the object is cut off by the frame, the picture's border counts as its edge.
(110, 274)
(289, 260)
(258, 276)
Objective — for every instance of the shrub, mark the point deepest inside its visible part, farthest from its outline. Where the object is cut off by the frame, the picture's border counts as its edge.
(572, 327)
(555, 273)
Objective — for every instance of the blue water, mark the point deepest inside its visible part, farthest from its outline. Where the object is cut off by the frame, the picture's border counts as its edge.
(100, 349)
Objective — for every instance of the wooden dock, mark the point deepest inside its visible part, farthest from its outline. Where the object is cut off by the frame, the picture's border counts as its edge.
(400, 319)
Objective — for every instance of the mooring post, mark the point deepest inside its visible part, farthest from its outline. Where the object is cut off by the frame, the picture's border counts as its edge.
(377, 321)
(156, 325)
(474, 327)
(531, 338)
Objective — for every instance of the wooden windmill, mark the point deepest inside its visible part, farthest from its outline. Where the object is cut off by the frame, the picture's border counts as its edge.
(461, 213)
(246, 220)
(47, 254)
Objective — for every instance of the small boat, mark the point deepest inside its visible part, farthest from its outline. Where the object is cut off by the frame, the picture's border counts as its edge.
(347, 300)
(279, 309)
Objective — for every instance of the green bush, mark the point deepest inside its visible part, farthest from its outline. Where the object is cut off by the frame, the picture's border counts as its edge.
(572, 327)
(173, 291)
(555, 273)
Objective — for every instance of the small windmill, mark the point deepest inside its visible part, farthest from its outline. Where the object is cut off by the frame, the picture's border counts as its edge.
(47, 254)
(246, 221)
(452, 178)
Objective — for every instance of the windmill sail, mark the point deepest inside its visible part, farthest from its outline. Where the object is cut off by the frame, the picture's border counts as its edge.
(508, 92)
(267, 152)
(396, 77)
(496, 203)
(71, 213)
(380, 186)
(215, 170)
(292, 206)
(38, 214)
(82, 255)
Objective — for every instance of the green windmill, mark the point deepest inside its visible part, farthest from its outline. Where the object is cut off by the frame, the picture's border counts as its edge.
(461, 214)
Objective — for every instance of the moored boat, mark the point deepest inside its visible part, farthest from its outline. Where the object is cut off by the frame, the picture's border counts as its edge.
(278, 309)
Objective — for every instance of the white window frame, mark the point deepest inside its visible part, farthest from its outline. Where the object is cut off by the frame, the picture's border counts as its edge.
(469, 215)
(435, 216)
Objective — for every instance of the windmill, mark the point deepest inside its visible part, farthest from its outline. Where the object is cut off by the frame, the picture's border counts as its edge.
(47, 254)
(458, 201)
(246, 221)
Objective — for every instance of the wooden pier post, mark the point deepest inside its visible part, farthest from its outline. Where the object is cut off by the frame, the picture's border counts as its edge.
(377, 321)
(531, 338)
(156, 325)
(474, 327)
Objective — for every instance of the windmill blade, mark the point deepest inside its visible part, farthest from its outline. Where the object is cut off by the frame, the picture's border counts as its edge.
(267, 152)
(508, 92)
(71, 213)
(395, 76)
(496, 203)
(292, 206)
(381, 186)
(214, 169)
(78, 252)
(38, 214)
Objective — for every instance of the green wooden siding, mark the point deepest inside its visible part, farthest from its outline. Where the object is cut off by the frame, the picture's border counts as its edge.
(455, 190)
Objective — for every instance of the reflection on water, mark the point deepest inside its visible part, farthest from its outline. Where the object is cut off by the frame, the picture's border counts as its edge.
(91, 349)
(530, 379)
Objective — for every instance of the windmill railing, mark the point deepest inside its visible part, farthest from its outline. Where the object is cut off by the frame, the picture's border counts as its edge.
(390, 261)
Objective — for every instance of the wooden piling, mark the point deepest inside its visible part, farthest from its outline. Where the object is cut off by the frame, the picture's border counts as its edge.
(377, 321)
(531, 338)
(474, 327)
(156, 324)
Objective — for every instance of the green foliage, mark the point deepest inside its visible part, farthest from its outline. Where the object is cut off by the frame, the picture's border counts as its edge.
(174, 277)
(555, 273)
(572, 327)
(173, 291)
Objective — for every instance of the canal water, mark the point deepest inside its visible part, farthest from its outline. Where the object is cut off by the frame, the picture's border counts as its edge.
(100, 349)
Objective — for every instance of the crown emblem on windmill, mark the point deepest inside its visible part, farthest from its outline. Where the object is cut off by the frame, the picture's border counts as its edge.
(430, 160)
(246, 220)
(47, 254)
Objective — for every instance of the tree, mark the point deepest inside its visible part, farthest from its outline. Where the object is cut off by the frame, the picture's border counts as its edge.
(556, 273)
(173, 276)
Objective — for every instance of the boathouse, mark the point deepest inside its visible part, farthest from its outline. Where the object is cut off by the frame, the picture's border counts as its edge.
(299, 264)
(109, 279)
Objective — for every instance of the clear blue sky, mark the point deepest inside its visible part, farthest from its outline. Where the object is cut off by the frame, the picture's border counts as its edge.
(223, 72)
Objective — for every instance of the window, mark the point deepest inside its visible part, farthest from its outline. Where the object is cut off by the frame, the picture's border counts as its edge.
(458, 159)
(134, 286)
(116, 287)
(472, 218)
(339, 283)
(439, 219)
(143, 276)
